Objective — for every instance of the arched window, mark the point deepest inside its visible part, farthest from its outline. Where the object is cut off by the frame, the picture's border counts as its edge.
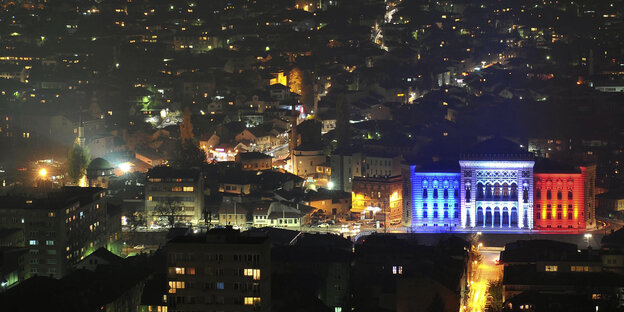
(538, 193)
(445, 193)
(446, 215)
(514, 190)
(467, 192)
(488, 190)
(425, 214)
(435, 214)
(435, 193)
(497, 189)
(425, 193)
(559, 195)
(505, 190)
(548, 194)
(570, 195)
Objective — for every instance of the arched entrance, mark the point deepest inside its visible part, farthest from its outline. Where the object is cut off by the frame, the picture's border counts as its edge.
(514, 217)
(505, 217)
(488, 217)
(497, 217)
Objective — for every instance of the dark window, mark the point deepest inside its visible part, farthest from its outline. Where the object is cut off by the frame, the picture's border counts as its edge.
(446, 214)
(538, 216)
(538, 194)
(559, 195)
(456, 193)
(424, 213)
(570, 195)
(425, 193)
(435, 193)
(549, 194)
(456, 214)
(445, 193)
(435, 214)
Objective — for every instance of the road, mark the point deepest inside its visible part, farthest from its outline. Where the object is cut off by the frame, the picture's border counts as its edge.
(486, 270)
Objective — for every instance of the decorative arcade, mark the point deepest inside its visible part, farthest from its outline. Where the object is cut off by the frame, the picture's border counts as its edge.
(499, 187)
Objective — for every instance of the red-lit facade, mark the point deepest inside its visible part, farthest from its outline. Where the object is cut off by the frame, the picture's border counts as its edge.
(559, 201)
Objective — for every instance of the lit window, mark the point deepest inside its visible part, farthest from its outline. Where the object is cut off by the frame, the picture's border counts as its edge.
(176, 189)
(190, 271)
(188, 189)
(552, 268)
(33, 242)
(50, 243)
(255, 273)
(397, 269)
(220, 285)
(179, 271)
(173, 285)
(252, 300)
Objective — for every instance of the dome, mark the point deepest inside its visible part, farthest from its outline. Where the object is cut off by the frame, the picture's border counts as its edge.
(99, 164)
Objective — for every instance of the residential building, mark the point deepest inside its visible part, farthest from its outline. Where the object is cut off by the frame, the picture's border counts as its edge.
(182, 188)
(220, 270)
(60, 229)
(347, 164)
(378, 198)
(254, 161)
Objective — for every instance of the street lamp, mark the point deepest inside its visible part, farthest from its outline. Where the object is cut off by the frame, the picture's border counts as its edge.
(588, 237)
(124, 167)
(43, 173)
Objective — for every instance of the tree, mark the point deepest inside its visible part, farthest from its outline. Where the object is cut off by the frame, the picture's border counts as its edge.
(495, 289)
(188, 155)
(135, 217)
(168, 210)
(77, 161)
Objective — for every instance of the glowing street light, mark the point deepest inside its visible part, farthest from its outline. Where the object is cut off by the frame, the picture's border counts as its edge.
(124, 167)
(43, 172)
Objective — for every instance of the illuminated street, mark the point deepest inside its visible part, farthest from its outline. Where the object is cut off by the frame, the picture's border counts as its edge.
(487, 271)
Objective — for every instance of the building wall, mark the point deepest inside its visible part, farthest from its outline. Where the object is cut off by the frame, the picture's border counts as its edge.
(563, 208)
(440, 207)
(501, 195)
(187, 193)
(589, 179)
(378, 199)
(475, 208)
(215, 276)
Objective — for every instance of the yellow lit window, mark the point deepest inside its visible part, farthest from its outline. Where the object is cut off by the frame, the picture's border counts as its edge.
(255, 273)
(179, 271)
(176, 189)
(252, 300)
(188, 189)
(174, 285)
(552, 268)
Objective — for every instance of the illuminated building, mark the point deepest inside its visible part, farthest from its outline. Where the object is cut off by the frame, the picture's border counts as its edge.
(61, 229)
(182, 188)
(378, 199)
(500, 187)
(220, 270)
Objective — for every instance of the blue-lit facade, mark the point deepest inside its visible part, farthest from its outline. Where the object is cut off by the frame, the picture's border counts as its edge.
(499, 187)
(436, 199)
(481, 195)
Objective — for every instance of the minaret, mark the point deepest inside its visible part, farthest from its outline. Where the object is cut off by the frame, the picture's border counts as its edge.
(81, 138)
(293, 138)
